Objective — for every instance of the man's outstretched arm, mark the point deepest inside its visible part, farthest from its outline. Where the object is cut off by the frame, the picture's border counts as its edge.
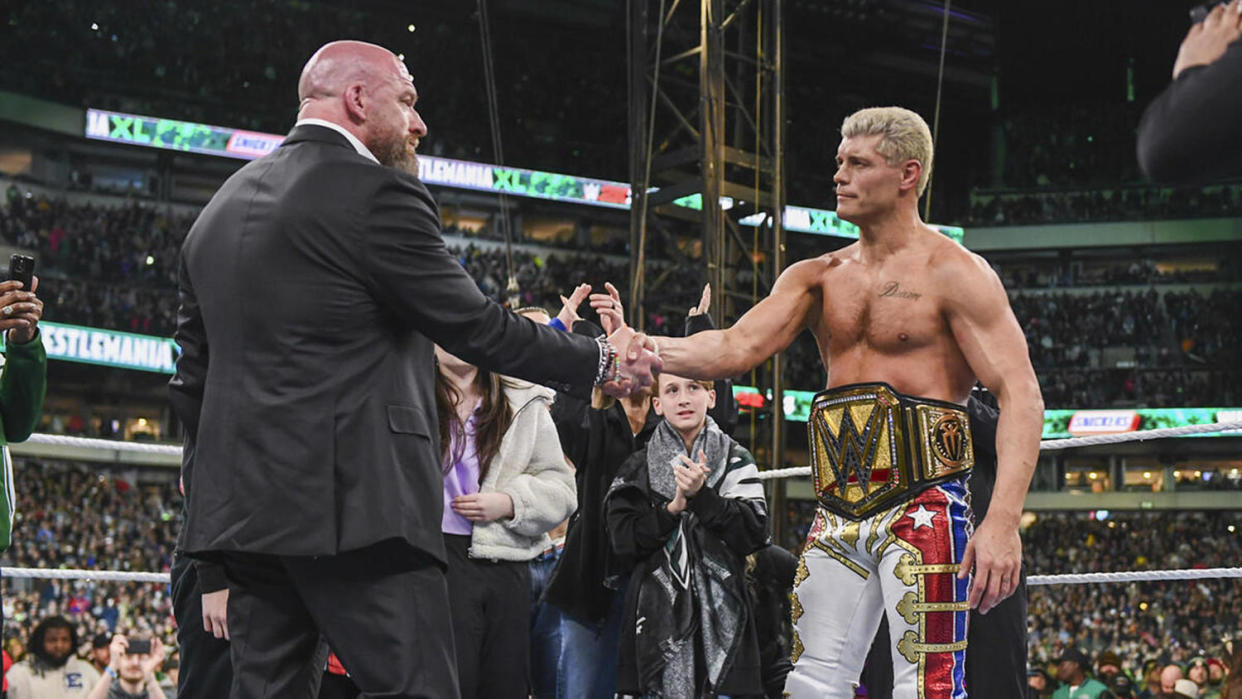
(764, 330)
(993, 344)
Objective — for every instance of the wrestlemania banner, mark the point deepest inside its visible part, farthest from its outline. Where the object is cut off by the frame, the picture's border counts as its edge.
(171, 134)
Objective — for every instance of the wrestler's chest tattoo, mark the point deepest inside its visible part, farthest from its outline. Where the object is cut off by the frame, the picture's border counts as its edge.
(893, 289)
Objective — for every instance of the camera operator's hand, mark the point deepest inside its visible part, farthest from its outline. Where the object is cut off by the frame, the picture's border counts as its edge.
(20, 311)
(1206, 41)
(116, 651)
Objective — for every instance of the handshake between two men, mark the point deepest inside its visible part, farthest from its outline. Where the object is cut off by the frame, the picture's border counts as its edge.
(637, 360)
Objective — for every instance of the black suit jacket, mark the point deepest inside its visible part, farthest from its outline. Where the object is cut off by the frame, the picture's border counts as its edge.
(311, 288)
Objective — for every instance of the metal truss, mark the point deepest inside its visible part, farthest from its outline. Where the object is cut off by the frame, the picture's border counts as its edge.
(706, 128)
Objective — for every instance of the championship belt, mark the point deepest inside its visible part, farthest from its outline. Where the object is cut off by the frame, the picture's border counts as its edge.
(872, 447)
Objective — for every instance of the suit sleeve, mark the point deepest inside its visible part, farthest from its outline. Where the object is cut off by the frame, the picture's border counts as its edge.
(23, 386)
(637, 525)
(211, 576)
(1189, 133)
(185, 390)
(426, 287)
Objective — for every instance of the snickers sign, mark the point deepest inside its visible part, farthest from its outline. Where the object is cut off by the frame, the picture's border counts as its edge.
(1086, 422)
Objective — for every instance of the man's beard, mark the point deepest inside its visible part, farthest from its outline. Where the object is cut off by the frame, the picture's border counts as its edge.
(50, 661)
(396, 154)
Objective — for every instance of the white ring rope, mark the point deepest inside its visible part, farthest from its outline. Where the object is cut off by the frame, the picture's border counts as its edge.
(1046, 445)
(1051, 444)
(80, 574)
(1070, 443)
(1063, 579)
(1134, 576)
(104, 444)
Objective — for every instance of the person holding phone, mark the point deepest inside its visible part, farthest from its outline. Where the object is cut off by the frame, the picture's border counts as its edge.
(1189, 132)
(23, 382)
(131, 671)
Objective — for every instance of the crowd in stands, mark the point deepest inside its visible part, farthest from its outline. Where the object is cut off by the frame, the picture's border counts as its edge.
(76, 515)
(1175, 349)
(1166, 622)
(148, 59)
(103, 517)
(1069, 163)
(1135, 272)
(1134, 203)
(115, 267)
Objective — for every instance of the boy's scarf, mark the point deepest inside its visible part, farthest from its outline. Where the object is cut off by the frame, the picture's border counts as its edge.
(695, 593)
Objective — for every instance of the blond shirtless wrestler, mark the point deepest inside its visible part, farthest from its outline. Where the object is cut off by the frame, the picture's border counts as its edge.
(909, 309)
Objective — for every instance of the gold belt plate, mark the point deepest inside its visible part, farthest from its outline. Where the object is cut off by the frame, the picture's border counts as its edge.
(869, 450)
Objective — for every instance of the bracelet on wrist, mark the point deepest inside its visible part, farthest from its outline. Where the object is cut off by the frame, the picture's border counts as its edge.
(609, 362)
(110, 672)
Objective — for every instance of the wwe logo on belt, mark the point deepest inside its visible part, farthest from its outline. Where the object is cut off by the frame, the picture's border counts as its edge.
(850, 452)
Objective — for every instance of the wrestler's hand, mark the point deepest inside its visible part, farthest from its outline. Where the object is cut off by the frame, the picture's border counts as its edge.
(995, 551)
(691, 475)
(216, 613)
(20, 311)
(639, 362)
(705, 302)
(569, 306)
(1206, 41)
(608, 306)
(484, 507)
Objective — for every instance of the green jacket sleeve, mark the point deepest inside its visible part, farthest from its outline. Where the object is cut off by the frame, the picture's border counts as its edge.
(23, 386)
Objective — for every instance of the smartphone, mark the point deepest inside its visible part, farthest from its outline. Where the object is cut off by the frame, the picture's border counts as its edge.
(21, 268)
(139, 647)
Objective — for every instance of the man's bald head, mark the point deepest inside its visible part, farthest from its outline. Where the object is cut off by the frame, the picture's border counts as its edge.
(1169, 677)
(338, 64)
(368, 91)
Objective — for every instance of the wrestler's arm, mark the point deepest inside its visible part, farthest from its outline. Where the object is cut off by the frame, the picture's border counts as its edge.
(992, 342)
(767, 328)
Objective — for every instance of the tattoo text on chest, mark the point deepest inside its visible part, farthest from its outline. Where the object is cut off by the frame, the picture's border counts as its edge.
(894, 290)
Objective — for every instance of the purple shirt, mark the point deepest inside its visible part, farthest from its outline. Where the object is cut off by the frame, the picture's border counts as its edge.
(462, 477)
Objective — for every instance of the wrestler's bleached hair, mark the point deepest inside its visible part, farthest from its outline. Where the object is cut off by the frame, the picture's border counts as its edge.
(904, 136)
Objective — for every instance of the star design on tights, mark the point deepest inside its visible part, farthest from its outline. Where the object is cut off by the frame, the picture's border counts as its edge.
(922, 517)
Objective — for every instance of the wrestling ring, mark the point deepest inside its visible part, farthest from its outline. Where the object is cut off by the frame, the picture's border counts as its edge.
(113, 451)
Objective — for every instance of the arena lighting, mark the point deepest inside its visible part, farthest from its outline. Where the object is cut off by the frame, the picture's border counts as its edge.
(1147, 475)
(171, 134)
(410, 28)
(1232, 529)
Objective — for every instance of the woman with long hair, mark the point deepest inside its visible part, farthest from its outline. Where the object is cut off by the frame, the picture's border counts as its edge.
(506, 484)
